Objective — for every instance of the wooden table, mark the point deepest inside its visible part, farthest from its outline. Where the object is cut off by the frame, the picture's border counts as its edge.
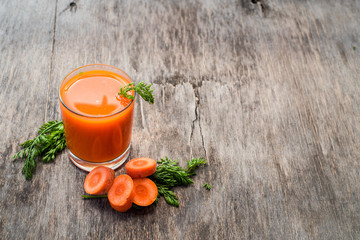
(266, 90)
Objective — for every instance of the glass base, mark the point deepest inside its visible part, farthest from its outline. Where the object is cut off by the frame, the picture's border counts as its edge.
(88, 166)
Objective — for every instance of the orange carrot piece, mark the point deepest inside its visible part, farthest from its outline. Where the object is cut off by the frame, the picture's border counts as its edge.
(112, 172)
(140, 167)
(99, 180)
(145, 191)
(121, 193)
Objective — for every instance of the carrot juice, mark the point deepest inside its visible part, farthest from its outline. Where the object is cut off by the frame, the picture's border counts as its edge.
(97, 122)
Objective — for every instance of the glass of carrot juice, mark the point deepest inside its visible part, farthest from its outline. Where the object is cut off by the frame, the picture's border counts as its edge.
(97, 122)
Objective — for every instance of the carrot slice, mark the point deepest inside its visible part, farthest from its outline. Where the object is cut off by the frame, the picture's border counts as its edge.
(145, 191)
(99, 180)
(112, 172)
(140, 167)
(121, 193)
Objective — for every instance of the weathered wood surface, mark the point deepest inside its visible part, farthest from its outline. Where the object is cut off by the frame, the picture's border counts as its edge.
(267, 91)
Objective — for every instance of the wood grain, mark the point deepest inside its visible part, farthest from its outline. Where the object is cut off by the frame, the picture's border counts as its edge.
(267, 91)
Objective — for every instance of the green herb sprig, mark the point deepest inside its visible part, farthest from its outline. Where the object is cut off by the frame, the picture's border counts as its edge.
(49, 141)
(169, 174)
(207, 186)
(93, 196)
(193, 164)
(143, 89)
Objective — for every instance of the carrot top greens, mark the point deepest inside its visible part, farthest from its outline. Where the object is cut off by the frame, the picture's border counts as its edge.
(207, 186)
(143, 89)
(50, 140)
(169, 174)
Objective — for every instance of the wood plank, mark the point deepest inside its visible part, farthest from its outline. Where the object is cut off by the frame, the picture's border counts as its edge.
(268, 92)
(26, 36)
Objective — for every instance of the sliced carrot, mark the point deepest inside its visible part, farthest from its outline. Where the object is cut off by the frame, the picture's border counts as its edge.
(112, 172)
(140, 167)
(121, 193)
(145, 191)
(99, 180)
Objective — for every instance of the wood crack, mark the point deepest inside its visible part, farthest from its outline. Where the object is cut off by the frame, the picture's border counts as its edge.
(51, 62)
(193, 121)
(202, 138)
(197, 118)
(143, 121)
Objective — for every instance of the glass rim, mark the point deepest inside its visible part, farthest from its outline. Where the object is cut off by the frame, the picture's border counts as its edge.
(93, 116)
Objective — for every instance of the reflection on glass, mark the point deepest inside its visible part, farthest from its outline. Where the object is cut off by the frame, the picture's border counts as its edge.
(103, 108)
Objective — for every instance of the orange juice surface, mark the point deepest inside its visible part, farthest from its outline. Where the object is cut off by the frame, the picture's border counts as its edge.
(97, 121)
